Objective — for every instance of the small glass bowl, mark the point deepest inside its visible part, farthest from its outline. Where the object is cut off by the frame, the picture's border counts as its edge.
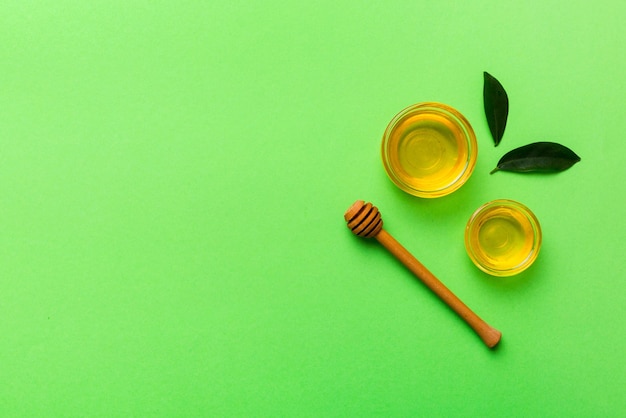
(503, 237)
(429, 150)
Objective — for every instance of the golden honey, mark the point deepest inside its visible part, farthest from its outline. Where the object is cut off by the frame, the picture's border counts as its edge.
(503, 237)
(429, 150)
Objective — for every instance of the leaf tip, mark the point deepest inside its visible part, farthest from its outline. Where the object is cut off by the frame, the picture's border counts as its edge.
(494, 170)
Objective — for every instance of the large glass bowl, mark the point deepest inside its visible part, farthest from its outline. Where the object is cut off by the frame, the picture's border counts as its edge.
(429, 150)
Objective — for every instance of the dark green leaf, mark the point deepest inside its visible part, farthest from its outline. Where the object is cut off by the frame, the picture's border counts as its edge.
(496, 106)
(538, 156)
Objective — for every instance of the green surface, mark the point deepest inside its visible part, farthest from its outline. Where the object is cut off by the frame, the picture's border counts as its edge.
(173, 177)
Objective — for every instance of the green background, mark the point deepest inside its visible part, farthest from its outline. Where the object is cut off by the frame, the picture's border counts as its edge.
(173, 178)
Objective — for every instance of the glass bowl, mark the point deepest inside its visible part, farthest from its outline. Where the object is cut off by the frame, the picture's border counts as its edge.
(429, 150)
(503, 237)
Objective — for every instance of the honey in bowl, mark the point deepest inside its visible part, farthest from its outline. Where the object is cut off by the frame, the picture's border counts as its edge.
(429, 150)
(503, 237)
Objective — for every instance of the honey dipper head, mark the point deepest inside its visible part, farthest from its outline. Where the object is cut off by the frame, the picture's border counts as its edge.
(363, 219)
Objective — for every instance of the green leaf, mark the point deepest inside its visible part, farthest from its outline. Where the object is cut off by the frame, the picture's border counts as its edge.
(496, 106)
(538, 157)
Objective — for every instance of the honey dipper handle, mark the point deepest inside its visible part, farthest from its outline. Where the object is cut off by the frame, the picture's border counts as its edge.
(489, 335)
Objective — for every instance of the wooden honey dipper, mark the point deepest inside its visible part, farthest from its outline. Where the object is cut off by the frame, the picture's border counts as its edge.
(365, 221)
